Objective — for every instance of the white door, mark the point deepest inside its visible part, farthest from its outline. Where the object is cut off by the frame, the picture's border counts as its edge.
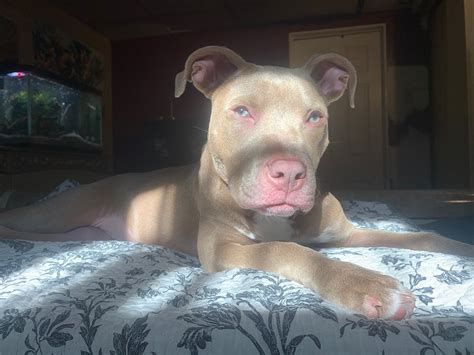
(355, 155)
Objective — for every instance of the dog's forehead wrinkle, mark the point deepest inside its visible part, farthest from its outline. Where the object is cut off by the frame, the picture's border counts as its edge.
(286, 91)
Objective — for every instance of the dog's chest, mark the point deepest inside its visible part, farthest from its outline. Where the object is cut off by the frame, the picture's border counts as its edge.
(267, 229)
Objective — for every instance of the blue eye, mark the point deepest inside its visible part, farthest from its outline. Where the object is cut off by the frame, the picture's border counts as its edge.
(315, 117)
(242, 111)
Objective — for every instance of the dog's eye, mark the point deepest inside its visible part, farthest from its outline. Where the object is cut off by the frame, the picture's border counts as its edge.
(242, 111)
(315, 117)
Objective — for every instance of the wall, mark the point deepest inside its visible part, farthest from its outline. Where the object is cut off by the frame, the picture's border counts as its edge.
(144, 70)
(450, 110)
(143, 89)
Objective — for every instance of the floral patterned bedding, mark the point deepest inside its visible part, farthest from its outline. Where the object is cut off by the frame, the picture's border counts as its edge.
(112, 297)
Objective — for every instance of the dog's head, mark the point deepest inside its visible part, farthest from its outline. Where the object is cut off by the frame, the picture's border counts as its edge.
(269, 125)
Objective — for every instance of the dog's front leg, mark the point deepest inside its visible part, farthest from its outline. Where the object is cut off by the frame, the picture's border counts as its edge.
(426, 241)
(344, 234)
(357, 289)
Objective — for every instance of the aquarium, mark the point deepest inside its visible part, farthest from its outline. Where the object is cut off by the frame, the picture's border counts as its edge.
(38, 111)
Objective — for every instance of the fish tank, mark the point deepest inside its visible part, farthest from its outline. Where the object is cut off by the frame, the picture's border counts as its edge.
(36, 110)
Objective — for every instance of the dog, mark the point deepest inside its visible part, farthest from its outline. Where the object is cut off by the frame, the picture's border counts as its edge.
(252, 201)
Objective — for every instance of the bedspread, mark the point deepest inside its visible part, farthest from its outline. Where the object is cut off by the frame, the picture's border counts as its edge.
(113, 297)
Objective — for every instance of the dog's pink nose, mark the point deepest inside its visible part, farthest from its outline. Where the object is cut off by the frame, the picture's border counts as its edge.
(286, 175)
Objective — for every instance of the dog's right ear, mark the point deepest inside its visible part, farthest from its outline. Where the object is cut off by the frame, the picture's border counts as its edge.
(207, 68)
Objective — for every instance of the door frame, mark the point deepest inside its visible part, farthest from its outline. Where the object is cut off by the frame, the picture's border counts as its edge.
(469, 26)
(379, 28)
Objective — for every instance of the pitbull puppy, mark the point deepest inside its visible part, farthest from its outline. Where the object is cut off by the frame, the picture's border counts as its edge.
(252, 200)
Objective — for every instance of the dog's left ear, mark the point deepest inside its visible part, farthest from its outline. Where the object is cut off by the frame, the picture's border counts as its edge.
(333, 74)
(207, 68)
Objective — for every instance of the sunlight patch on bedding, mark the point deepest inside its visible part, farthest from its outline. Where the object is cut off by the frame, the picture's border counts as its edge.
(76, 269)
(53, 268)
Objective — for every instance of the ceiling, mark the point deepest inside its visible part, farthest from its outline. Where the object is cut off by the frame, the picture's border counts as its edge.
(121, 19)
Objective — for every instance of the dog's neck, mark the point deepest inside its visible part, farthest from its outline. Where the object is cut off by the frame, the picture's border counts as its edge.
(267, 228)
(271, 228)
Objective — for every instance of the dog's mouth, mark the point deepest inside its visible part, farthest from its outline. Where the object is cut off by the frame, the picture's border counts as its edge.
(280, 210)
(281, 207)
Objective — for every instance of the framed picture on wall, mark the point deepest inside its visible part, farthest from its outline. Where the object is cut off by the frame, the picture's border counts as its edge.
(57, 53)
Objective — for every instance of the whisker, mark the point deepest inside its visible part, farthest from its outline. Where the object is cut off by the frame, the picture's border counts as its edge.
(200, 129)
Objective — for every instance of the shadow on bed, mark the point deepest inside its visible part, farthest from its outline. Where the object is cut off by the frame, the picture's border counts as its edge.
(457, 228)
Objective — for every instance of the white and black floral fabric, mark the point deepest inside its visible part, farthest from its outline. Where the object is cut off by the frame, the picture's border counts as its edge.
(112, 297)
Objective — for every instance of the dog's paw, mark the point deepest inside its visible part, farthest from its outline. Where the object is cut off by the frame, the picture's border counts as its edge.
(372, 294)
(399, 305)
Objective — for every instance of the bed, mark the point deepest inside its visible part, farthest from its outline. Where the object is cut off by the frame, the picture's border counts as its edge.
(113, 297)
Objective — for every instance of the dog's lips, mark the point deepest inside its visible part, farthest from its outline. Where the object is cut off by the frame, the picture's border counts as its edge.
(280, 210)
